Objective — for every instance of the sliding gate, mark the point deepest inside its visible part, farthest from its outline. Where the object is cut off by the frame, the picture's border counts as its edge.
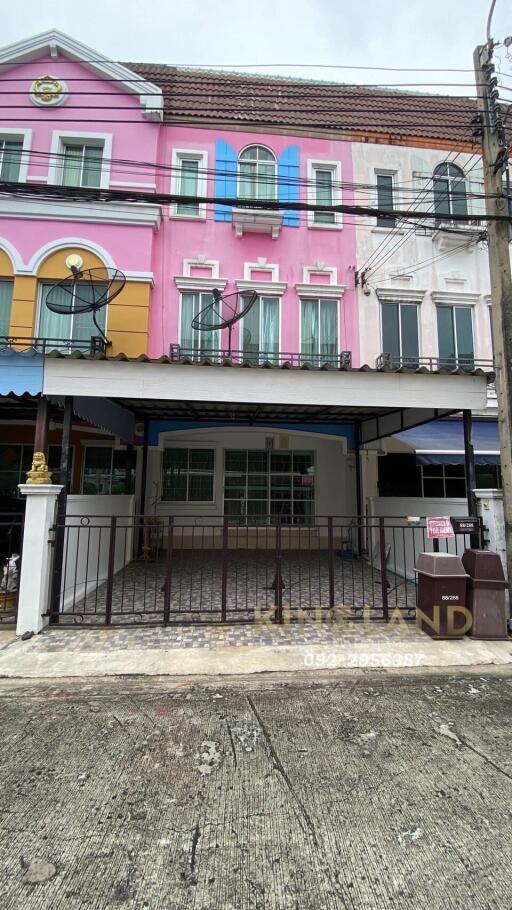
(119, 571)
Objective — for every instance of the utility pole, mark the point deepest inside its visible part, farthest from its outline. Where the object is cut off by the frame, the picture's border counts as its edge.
(494, 158)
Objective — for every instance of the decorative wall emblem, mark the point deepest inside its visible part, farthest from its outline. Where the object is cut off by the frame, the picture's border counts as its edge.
(48, 91)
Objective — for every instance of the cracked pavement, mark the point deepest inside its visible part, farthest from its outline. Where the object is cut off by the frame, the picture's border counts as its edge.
(335, 790)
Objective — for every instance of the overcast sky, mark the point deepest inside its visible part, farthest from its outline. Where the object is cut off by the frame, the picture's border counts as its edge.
(406, 33)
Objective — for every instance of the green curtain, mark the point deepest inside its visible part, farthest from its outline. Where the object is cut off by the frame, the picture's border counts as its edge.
(329, 328)
(309, 327)
(72, 166)
(5, 306)
(93, 157)
(188, 186)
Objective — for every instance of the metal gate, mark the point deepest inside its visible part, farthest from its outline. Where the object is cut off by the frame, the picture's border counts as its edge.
(125, 570)
(11, 545)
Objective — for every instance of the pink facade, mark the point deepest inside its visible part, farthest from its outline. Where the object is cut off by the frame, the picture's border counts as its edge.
(153, 244)
(294, 250)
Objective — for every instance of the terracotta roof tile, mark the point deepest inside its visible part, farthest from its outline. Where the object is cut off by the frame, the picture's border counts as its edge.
(250, 100)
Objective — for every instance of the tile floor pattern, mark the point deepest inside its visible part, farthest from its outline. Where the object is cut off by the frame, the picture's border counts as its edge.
(249, 577)
(240, 635)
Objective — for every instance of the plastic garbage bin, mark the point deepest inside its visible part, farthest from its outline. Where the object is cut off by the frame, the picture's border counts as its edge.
(486, 594)
(441, 595)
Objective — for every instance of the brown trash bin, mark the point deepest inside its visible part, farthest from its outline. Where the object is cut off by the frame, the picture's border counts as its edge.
(441, 595)
(486, 594)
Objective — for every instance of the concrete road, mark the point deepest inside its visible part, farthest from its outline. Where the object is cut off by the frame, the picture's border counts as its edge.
(339, 791)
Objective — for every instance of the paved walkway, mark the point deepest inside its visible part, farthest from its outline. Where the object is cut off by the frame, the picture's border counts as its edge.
(227, 650)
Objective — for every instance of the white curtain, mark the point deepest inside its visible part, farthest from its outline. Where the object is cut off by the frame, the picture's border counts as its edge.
(328, 328)
(270, 325)
(56, 326)
(309, 328)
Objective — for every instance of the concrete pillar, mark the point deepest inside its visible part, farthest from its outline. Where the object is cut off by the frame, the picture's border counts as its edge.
(490, 508)
(36, 558)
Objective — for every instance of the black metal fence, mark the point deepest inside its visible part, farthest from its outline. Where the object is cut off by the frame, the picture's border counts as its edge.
(11, 544)
(92, 345)
(142, 569)
(343, 359)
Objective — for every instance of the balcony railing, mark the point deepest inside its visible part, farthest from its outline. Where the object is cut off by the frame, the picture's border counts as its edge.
(396, 362)
(259, 358)
(92, 345)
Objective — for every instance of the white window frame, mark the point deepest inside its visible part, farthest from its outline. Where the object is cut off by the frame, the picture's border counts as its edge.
(178, 156)
(456, 306)
(292, 451)
(10, 134)
(314, 165)
(386, 172)
(188, 502)
(318, 298)
(45, 281)
(241, 199)
(62, 138)
(199, 291)
(401, 302)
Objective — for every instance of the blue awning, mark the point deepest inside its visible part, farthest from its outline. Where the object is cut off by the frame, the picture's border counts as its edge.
(21, 372)
(442, 442)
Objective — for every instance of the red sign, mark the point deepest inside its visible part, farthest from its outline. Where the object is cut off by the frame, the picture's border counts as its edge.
(439, 527)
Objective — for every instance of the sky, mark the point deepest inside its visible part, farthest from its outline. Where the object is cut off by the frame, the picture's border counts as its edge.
(404, 33)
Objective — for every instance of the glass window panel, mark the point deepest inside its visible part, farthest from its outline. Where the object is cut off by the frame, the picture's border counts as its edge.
(487, 477)
(302, 461)
(176, 458)
(309, 327)
(390, 330)
(280, 461)
(454, 470)
(441, 198)
(409, 324)
(72, 166)
(251, 330)
(464, 327)
(433, 470)
(5, 306)
(200, 488)
(201, 459)
(270, 325)
(247, 188)
(91, 174)
(433, 487)
(235, 460)
(458, 197)
(324, 195)
(455, 487)
(189, 183)
(97, 471)
(10, 158)
(188, 337)
(329, 328)
(257, 460)
(385, 199)
(445, 335)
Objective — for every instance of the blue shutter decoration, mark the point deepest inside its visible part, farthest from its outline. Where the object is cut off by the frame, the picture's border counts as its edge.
(288, 182)
(225, 178)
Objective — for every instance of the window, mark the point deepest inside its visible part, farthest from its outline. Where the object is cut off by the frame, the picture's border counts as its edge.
(64, 328)
(455, 337)
(106, 470)
(16, 460)
(81, 164)
(189, 169)
(400, 333)
(194, 342)
(399, 475)
(187, 475)
(446, 480)
(324, 195)
(319, 330)
(257, 173)
(385, 200)
(449, 191)
(324, 188)
(260, 330)
(10, 159)
(261, 484)
(5, 306)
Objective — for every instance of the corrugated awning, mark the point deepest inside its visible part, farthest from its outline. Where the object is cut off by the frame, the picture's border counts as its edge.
(442, 442)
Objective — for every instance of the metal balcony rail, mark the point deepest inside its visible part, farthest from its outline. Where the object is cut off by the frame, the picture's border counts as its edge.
(390, 361)
(92, 345)
(279, 358)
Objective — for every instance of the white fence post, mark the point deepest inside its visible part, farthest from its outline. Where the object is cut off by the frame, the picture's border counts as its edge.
(36, 558)
(490, 508)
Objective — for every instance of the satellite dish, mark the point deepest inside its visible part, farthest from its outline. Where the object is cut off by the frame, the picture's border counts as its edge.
(85, 291)
(223, 312)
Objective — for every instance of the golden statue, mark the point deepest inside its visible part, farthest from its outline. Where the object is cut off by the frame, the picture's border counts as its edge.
(39, 472)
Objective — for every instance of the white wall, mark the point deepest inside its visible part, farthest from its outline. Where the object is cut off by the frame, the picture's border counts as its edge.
(406, 544)
(463, 271)
(86, 546)
(334, 470)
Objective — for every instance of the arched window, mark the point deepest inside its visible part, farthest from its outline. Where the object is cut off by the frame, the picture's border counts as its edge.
(449, 191)
(257, 177)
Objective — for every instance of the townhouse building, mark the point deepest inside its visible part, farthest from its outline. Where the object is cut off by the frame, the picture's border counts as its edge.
(228, 434)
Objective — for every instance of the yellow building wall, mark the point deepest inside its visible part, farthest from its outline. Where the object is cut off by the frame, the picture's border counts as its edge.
(127, 318)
